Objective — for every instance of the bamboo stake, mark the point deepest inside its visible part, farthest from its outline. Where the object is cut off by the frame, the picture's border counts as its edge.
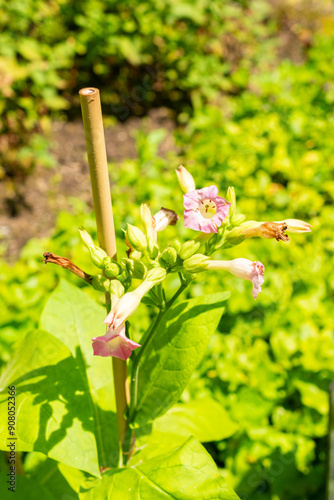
(98, 169)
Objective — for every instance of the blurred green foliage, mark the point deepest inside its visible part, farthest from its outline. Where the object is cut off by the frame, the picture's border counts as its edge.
(265, 127)
(139, 53)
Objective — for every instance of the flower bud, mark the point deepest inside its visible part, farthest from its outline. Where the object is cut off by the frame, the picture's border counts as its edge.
(147, 219)
(196, 263)
(189, 248)
(136, 238)
(139, 270)
(111, 269)
(96, 253)
(154, 264)
(152, 247)
(176, 244)
(100, 283)
(169, 255)
(124, 276)
(230, 197)
(127, 264)
(135, 255)
(237, 219)
(185, 179)
(116, 288)
(236, 236)
(157, 274)
(162, 263)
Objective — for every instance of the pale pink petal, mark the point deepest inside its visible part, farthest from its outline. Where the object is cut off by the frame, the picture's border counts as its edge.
(114, 343)
(109, 318)
(110, 334)
(118, 347)
(210, 226)
(257, 277)
(194, 221)
(222, 204)
(190, 200)
(205, 210)
(191, 219)
(101, 347)
(223, 208)
(208, 192)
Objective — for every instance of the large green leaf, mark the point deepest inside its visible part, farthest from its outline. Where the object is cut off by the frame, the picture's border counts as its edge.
(45, 478)
(187, 473)
(174, 353)
(53, 414)
(205, 419)
(47, 473)
(74, 318)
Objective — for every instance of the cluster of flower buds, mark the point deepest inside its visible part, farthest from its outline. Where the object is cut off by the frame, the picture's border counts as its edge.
(219, 226)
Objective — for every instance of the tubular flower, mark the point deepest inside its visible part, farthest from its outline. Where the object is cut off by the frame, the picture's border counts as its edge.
(164, 218)
(114, 343)
(297, 226)
(253, 229)
(242, 268)
(129, 302)
(266, 230)
(205, 210)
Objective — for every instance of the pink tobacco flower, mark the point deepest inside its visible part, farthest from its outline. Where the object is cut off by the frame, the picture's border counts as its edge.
(129, 302)
(205, 210)
(114, 343)
(242, 268)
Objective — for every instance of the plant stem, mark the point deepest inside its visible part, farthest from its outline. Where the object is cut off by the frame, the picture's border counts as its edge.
(98, 169)
(146, 341)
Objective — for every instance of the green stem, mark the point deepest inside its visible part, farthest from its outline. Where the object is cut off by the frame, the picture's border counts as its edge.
(146, 341)
(160, 295)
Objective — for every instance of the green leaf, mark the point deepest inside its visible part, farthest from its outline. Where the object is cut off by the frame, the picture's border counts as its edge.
(50, 474)
(74, 318)
(312, 396)
(53, 415)
(205, 419)
(174, 353)
(26, 487)
(129, 49)
(30, 49)
(187, 473)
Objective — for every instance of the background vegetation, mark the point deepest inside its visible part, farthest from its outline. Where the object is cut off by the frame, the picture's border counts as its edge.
(251, 87)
